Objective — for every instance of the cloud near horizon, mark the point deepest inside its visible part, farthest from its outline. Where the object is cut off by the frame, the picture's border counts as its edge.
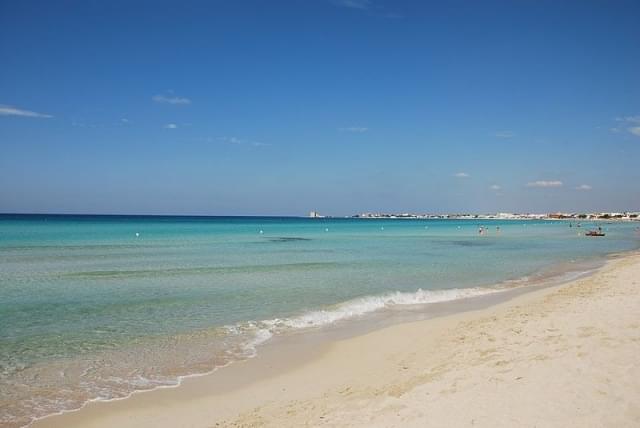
(584, 187)
(171, 126)
(545, 183)
(495, 187)
(6, 110)
(175, 100)
(461, 175)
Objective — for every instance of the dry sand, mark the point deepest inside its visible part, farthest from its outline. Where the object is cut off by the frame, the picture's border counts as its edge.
(565, 356)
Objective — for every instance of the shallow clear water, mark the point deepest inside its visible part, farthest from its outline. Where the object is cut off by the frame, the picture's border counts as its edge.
(95, 307)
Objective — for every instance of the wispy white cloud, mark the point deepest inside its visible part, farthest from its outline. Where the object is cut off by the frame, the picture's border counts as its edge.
(231, 140)
(171, 99)
(357, 129)
(171, 126)
(545, 183)
(241, 142)
(631, 123)
(505, 134)
(495, 187)
(6, 110)
(354, 4)
(629, 119)
(89, 124)
(584, 187)
(461, 175)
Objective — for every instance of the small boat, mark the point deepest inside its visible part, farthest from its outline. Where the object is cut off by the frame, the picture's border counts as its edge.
(594, 233)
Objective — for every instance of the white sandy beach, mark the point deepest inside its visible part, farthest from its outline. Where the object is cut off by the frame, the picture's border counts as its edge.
(564, 356)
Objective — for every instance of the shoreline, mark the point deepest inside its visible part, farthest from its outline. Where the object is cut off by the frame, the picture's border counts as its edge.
(377, 319)
(281, 359)
(399, 307)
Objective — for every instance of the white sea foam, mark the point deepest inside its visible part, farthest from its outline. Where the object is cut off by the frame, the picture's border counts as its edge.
(260, 336)
(365, 305)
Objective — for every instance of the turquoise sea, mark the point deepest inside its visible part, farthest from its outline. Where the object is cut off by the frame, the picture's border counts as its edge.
(96, 307)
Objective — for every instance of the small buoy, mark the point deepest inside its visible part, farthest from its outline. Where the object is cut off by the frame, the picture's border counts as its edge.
(326, 229)
(261, 231)
(137, 234)
(382, 228)
(458, 227)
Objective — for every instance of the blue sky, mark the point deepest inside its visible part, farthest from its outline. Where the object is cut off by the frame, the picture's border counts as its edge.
(281, 107)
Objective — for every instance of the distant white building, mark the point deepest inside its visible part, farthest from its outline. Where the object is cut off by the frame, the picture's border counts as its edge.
(315, 214)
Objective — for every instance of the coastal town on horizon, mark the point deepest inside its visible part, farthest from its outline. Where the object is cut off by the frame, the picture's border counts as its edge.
(626, 215)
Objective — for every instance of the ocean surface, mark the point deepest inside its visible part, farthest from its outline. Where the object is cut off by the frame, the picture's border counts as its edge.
(96, 307)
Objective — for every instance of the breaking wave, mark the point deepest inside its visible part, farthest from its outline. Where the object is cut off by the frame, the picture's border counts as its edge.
(364, 305)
